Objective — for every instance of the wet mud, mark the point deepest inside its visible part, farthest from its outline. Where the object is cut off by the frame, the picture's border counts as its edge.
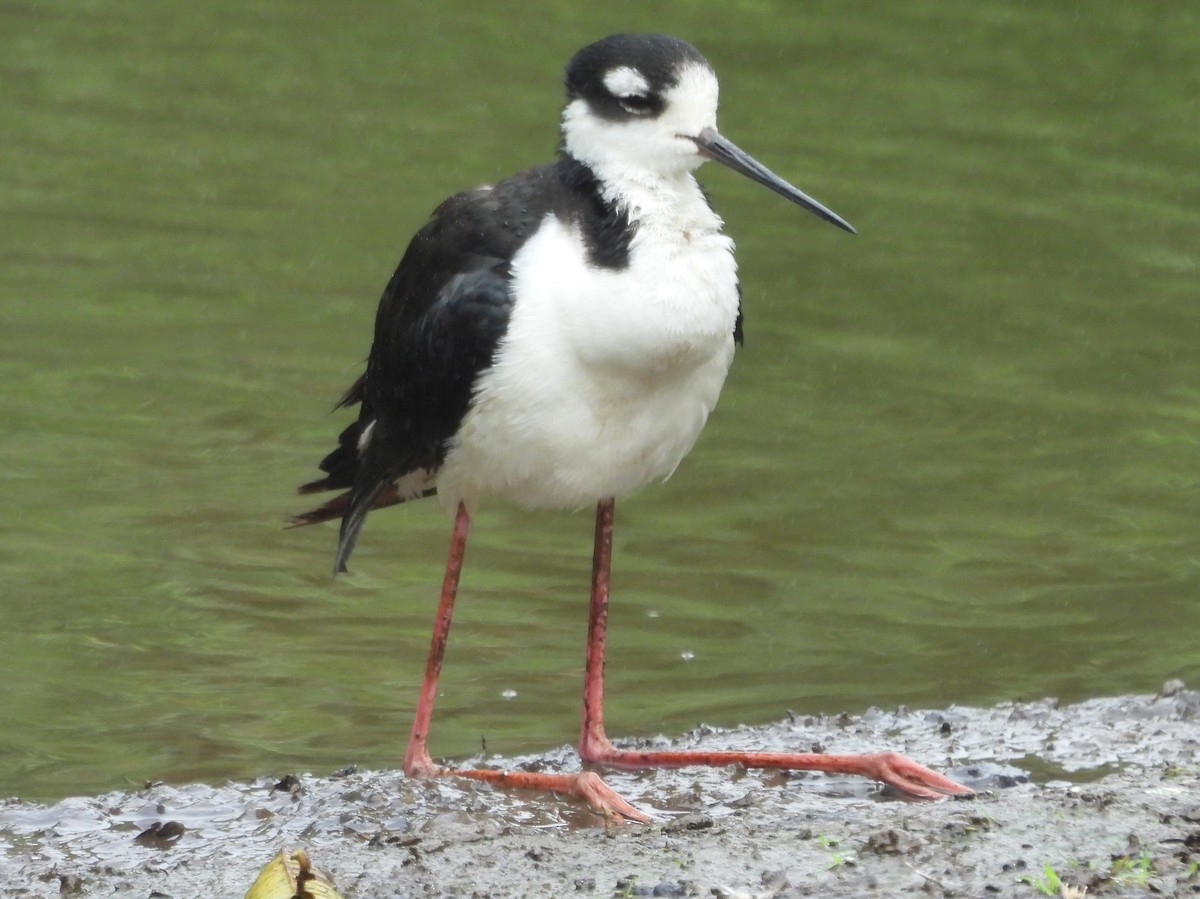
(1102, 795)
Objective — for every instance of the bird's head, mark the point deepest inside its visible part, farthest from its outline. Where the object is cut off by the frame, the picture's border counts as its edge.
(646, 105)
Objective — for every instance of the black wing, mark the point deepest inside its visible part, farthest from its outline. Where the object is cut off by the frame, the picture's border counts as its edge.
(439, 323)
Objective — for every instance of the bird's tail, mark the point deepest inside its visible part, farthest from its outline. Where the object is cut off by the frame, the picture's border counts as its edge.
(335, 508)
(359, 501)
(354, 467)
(365, 483)
(376, 491)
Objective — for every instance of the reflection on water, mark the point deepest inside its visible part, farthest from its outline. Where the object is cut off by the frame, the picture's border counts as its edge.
(956, 459)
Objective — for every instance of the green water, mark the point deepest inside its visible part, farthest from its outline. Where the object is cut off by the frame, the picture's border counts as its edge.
(958, 459)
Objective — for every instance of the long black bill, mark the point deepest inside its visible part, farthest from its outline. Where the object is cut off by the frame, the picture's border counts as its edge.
(715, 147)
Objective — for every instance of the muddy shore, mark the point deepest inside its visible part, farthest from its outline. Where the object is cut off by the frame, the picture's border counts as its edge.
(1103, 794)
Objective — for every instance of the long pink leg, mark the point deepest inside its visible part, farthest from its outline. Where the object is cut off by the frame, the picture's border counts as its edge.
(886, 767)
(417, 762)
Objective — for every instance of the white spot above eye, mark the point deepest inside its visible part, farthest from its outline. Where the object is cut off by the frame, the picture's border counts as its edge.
(623, 81)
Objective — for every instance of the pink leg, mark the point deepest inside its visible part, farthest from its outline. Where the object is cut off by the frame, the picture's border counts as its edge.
(417, 762)
(886, 767)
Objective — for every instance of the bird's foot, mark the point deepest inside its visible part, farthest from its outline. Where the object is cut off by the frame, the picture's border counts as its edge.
(890, 768)
(586, 785)
(419, 766)
(902, 773)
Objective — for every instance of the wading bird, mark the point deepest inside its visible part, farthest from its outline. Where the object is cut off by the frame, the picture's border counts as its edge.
(559, 339)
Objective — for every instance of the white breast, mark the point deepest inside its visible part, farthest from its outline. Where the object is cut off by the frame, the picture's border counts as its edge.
(604, 378)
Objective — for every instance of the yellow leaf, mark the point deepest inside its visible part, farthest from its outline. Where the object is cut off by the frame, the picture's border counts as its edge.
(291, 877)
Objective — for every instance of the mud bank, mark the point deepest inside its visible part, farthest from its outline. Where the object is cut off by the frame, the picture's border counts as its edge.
(1104, 794)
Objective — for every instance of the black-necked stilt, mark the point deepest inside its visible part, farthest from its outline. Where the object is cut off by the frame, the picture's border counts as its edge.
(559, 339)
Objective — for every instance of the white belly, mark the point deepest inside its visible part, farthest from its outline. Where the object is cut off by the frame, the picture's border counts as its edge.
(605, 378)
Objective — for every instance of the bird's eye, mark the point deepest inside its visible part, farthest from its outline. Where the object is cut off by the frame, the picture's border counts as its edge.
(637, 104)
